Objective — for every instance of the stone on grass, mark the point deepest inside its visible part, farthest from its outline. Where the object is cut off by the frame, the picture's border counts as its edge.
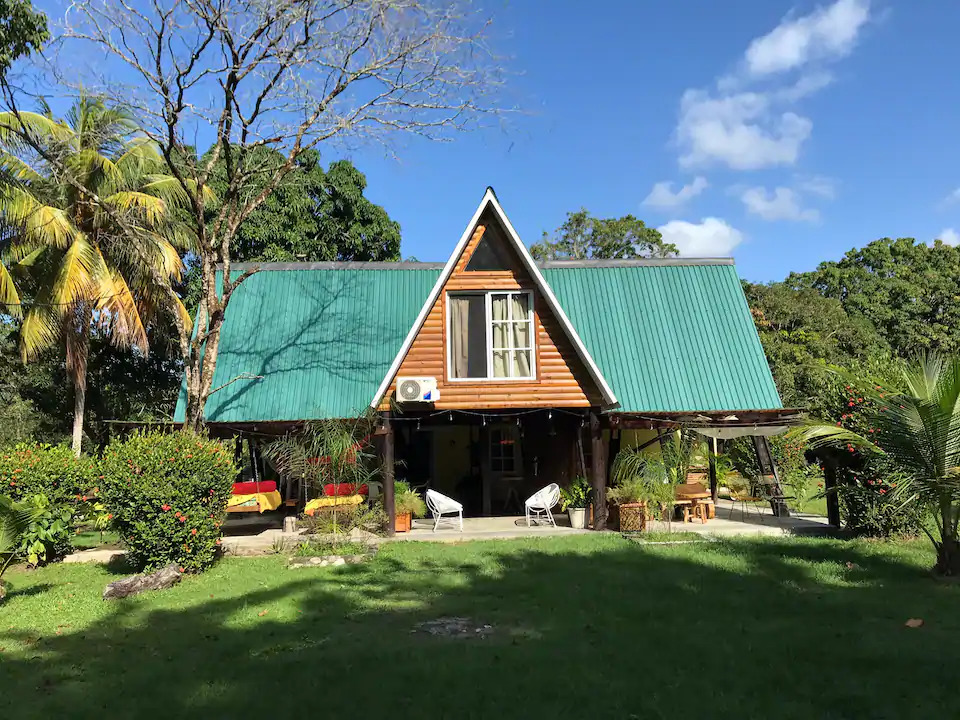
(135, 584)
(325, 560)
(457, 627)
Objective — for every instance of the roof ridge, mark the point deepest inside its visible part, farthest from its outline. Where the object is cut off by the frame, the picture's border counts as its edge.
(635, 262)
(338, 265)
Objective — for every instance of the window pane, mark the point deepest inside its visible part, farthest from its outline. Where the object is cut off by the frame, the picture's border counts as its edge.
(468, 336)
(499, 307)
(501, 336)
(521, 335)
(521, 306)
(491, 252)
(521, 363)
(501, 367)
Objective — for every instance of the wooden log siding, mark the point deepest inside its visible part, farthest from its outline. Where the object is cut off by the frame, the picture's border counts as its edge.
(562, 380)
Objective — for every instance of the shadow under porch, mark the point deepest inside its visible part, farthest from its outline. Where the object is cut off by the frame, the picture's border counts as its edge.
(490, 461)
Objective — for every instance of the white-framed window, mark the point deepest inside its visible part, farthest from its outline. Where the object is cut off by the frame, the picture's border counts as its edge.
(490, 336)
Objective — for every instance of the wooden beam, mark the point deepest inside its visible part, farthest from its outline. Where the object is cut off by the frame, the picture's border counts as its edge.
(387, 473)
(599, 462)
(712, 461)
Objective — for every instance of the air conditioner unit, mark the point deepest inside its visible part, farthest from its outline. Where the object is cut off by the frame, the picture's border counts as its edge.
(417, 389)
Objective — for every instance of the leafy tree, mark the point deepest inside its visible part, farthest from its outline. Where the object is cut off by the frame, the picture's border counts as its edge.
(70, 256)
(583, 236)
(803, 335)
(907, 290)
(22, 30)
(311, 215)
(916, 427)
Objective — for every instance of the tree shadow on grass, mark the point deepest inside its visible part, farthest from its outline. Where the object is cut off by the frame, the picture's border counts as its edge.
(603, 629)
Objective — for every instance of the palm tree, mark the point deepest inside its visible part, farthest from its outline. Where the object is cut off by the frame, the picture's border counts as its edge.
(88, 231)
(918, 429)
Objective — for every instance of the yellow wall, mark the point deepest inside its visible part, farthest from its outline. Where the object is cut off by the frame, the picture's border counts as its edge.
(635, 438)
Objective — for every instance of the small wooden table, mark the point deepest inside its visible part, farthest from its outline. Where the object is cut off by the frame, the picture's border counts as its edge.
(691, 496)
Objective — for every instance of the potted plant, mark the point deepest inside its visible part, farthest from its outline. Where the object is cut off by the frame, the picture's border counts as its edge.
(575, 499)
(628, 497)
(642, 486)
(407, 505)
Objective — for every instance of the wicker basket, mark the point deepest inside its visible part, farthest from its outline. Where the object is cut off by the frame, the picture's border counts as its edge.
(632, 517)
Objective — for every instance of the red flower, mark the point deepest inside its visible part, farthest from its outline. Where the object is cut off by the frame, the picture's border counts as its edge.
(193, 531)
(109, 516)
(182, 518)
(850, 404)
(164, 507)
(882, 491)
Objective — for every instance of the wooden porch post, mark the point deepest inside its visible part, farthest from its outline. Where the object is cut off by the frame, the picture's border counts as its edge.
(386, 464)
(599, 472)
(712, 461)
(830, 486)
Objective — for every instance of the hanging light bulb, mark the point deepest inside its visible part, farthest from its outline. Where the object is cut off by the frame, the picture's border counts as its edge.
(418, 425)
(483, 419)
(450, 417)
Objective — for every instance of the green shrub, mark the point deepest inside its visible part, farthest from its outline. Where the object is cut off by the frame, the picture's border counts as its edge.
(48, 536)
(406, 500)
(51, 470)
(324, 521)
(168, 495)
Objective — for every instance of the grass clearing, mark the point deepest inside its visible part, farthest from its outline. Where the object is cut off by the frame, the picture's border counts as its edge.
(739, 628)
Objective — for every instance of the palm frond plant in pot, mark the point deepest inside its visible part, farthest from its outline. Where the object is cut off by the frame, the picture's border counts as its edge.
(643, 487)
(575, 499)
(407, 505)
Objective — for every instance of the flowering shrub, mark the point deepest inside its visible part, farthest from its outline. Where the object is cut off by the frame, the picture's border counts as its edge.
(51, 470)
(168, 495)
(56, 484)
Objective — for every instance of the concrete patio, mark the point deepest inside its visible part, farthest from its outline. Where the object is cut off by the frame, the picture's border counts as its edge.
(264, 534)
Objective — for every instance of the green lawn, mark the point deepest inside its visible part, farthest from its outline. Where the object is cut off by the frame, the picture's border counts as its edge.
(582, 626)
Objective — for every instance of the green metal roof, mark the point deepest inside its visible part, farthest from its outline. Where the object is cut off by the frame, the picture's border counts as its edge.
(674, 336)
(321, 339)
(668, 337)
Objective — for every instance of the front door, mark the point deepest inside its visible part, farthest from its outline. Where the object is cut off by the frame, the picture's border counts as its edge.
(504, 480)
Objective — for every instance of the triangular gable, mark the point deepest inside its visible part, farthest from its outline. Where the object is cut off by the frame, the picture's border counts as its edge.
(490, 203)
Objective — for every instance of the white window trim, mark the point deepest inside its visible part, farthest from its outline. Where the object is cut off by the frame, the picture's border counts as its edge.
(488, 319)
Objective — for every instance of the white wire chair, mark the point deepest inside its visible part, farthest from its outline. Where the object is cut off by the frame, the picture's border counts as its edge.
(541, 502)
(440, 505)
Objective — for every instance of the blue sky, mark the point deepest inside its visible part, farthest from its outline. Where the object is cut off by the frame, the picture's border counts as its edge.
(798, 129)
(782, 132)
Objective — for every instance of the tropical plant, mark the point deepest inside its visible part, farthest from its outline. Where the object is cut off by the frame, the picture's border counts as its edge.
(639, 477)
(14, 521)
(168, 495)
(49, 534)
(89, 235)
(328, 452)
(917, 427)
(407, 501)
(577, 495)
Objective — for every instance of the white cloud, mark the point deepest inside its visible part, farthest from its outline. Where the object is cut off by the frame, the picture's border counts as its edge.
(747, 127)
(826, 33)
(710, 237)
(781, 204)
(739, 130)
(663, 196)
(818, 185)
(949, 236)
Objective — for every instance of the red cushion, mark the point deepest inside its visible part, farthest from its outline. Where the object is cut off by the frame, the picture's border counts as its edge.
(344, 490)
(249, 488)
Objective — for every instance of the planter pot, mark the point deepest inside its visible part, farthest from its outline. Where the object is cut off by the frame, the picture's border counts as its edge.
(578, 517)
(633, 517)
(402, 522)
